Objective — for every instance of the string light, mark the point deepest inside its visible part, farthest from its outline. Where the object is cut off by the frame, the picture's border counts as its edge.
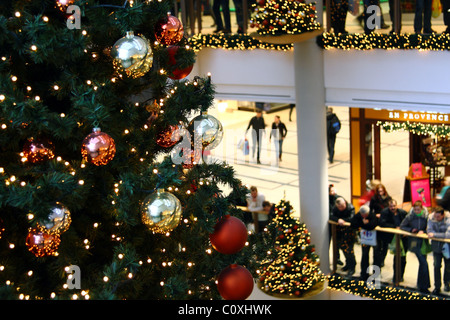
(234, 42)
(359, 288)
(362, 41)
(416, 128)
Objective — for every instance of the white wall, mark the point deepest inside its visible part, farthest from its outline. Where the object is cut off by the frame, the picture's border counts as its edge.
(388, 79)
(251, 75)
(394, 79)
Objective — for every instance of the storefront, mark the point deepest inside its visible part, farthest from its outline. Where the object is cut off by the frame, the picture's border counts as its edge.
(429, 144)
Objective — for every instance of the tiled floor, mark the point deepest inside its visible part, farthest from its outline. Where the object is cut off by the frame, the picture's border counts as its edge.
(277, 182)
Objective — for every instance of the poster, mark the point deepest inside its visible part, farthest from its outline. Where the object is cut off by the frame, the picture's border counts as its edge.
(420, 190)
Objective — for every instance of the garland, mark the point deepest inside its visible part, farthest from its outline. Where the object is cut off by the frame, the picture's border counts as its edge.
(359, 288)
(404, 41)
(357, 41)
(416, 128)
(233, 42)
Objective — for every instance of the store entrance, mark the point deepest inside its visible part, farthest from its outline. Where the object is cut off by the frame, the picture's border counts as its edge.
(383, 147)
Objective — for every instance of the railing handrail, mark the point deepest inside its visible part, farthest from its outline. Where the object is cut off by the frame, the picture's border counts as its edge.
(244, 208)
(397, 231)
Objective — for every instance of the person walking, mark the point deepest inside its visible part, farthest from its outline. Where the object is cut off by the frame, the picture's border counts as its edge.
(279, 132)
(333, 127)
(258, 129)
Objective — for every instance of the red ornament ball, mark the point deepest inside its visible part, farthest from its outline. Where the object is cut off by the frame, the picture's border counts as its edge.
(235, 283)
(98, 148)
(229, 236)
(168, 137)
(177, 73)
(169, 30)
(41, 243)
(38, 150)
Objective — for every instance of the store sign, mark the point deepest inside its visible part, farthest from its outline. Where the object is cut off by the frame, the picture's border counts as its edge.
(411, 116)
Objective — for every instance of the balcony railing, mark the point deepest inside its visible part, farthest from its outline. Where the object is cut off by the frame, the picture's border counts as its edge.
(398, 234)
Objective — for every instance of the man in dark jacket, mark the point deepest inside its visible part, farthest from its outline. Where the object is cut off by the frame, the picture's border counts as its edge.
(367, 220)
(343, 212)
(333, 127)
(258, 125)
(390, 217)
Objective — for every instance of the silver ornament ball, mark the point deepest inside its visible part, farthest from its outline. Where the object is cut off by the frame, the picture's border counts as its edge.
(206, 130)
(132, 54)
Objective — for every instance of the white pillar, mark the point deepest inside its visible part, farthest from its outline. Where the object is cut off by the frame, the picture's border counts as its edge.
(312, 151)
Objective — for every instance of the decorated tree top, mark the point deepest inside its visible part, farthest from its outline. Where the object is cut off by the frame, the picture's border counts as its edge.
(295, 268)
(281, 17)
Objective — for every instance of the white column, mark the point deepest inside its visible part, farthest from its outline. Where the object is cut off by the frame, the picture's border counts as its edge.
(312, 151)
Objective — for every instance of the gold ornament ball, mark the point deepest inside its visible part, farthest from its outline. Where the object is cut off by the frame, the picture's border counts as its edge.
(98, 148)
(132, 54)
(58, 220)
(161, 211)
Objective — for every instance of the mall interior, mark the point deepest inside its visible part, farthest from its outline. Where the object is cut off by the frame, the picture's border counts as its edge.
(368, 90)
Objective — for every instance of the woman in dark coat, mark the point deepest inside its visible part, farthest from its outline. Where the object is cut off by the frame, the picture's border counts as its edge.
(380, 200)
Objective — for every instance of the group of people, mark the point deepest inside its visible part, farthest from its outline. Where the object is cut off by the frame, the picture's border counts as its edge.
(278, 133)
(422, 16)
(383, 211)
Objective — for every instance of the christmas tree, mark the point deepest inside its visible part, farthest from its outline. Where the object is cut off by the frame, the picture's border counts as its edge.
(281, 17)
(104, 193)
(294, 268)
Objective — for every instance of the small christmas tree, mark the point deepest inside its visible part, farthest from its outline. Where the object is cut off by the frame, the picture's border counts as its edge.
(295, 268)
(281, 17)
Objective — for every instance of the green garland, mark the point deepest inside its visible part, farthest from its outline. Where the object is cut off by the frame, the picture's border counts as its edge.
(357, 41)
(359, 288)
(416, 128)
(404, 41)
(233, 42)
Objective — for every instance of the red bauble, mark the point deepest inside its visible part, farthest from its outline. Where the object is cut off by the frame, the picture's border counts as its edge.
(38, 150)
(98, 148)
(169, 137)
(177, 73)
(41, 243)
(169, 30)
(235, 283)
(229, 236)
